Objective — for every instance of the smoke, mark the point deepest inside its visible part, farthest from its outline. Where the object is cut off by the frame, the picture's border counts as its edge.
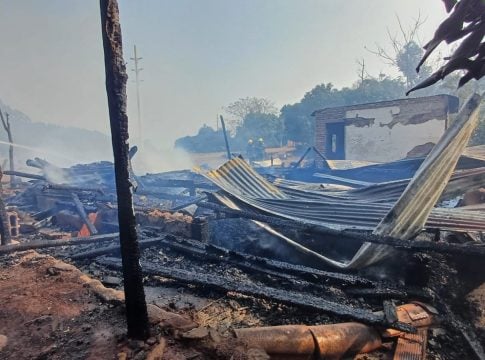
(56, 175)
(149, 159)
(24, 152)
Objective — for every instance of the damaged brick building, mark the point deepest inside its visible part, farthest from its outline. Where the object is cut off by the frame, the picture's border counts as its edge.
(383, 131)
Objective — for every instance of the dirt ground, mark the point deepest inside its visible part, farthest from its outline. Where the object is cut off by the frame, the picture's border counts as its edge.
(51, 310)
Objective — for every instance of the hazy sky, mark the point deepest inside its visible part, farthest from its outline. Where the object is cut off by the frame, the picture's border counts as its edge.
(198, 55)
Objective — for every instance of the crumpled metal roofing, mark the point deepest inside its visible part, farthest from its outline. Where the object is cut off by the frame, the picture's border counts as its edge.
(470, 179)
(412, 211)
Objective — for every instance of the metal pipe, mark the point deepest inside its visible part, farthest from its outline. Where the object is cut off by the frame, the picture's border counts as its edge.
(306, 342)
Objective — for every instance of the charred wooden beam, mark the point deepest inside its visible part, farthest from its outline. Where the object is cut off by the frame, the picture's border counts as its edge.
(391, 292)
(465, 329)
(390, 311)
(310, 274)
(193, 201)
(115, 248)
(25, 175)
(33, 163)
(56, 243)
(73, 188)
(83, 215)
(183, 183)
(41, 223)
(413, 246)
(254, 263)
(287, 297)
(164, 195)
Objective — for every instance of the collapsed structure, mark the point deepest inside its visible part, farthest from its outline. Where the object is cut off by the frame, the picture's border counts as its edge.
(307, 236)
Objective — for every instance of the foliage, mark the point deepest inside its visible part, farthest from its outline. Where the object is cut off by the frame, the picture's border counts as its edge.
(259, 125)
(406, 60)
(206, 140)
(250, 105)
(255, 118)
(297, 119)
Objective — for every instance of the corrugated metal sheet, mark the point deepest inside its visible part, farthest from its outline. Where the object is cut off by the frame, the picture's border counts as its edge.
(412, 211)
(238, 179)
(389, 192)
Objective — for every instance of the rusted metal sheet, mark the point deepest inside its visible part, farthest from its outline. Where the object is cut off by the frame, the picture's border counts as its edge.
(410, 214)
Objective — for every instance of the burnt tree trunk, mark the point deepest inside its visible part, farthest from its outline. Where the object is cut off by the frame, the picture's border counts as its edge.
(5, 237)
(136, 309)
(8, 130)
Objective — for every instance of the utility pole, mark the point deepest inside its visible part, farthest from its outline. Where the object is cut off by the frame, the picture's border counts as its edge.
(115, 69)
(137, 70)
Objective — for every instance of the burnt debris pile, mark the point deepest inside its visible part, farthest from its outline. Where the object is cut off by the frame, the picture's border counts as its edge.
(376, 266)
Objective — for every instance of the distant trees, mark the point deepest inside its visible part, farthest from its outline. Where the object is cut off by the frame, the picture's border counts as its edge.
(267, 126)
(250, 105)
(297, 119)
(252, 118)
(258, 117)
(206, 140)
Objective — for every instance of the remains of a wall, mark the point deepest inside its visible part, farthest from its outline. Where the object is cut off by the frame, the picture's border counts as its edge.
(391, 132)
(388, 130)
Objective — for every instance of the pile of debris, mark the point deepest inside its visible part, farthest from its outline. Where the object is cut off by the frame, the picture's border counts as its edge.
(361, 264)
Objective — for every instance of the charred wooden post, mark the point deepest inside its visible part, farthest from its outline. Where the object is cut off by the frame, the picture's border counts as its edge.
(8, 130)
(200, 229)
(136, 309)
(5, 237)
(228, 150)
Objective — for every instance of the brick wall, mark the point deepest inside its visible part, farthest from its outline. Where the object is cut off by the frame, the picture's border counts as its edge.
(448, 104)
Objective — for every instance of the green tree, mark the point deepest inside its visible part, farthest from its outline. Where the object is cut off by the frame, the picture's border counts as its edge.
(250, 105)
(206, 140)
(269, 127)
(403, 52)
(297, 119)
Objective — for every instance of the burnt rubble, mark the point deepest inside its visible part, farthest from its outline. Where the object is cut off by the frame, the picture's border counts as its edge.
(264, 240)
